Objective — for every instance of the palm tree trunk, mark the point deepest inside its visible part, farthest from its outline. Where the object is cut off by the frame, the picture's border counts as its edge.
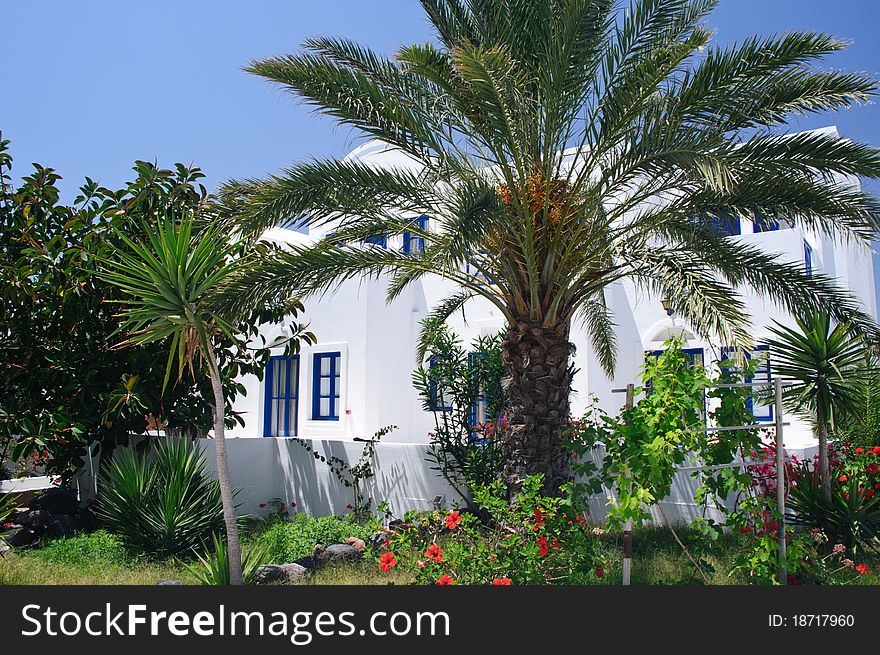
(233, 544)
(537, 385)
(824, 472)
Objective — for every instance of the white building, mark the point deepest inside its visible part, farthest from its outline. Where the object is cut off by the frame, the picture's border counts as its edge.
(358, 377)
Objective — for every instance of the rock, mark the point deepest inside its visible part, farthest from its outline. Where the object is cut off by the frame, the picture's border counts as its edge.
(169, 582)
(35, 519)
(357, 544)
(335, 553)
(57, 501)
(62, 525)
(307, 562)
(88, 522)
(22, 537)
(280, 573)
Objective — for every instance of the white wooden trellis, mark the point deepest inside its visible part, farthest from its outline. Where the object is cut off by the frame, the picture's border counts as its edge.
(629, 390)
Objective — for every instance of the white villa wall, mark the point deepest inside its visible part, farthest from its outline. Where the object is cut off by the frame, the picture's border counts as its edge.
(378, 340)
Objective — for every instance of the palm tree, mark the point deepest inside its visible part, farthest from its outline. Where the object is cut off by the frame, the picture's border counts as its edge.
(826, 369)
(169, 278)
(559, 146)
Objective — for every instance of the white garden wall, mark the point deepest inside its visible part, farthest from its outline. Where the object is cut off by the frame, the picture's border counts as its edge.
(264, 469)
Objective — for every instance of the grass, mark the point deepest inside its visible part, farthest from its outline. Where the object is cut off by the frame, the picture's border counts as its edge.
(98, 558)
(101, 558)
(291, 540)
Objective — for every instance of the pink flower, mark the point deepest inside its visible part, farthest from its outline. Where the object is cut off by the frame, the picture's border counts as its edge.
(849, 563)
(839, 548)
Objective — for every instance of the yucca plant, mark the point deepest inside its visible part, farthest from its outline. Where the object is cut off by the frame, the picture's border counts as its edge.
(824, 368)
(850, 516)
(169, 277)
(558, 147)
(213, 568)
(162, 501)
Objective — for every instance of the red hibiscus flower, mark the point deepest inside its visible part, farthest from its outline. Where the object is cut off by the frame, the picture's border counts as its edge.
(501, 582)
(444, 581)
(435, 553)
(599, 572)
(876, 450)
(539, 518)
(453, 519)
(863, 569)
(543, 546)
(872, 468)
(387, 561)
(842, 478)
(859, 450)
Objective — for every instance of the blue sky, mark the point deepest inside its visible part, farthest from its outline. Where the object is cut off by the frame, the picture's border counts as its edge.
(90, 86)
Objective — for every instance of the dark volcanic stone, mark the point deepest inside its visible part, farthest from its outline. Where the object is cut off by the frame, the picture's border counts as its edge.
(336, 553)
(280, 573)
(56, 501)
(23, 537)
(62, 525)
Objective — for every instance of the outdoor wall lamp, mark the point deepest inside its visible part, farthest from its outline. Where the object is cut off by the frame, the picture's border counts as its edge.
(667, 305)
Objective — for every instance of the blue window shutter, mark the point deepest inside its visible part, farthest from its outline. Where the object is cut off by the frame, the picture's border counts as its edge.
(281, 402)
(808, 258)
(325, 401)
(434, 390)
(413, 243)
(380, 240)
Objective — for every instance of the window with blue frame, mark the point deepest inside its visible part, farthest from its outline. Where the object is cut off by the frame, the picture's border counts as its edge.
(481, 277)
(479, 411)
(808, 258)
(380, 240)
(329, 235)
(282, 397)
(436, 402)
(761, 410)
(770, 223)
(326, 375)
(414, 242)
(722, 223)
(694, 357)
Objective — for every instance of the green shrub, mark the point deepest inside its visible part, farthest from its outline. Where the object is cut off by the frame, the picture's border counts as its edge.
(289, 541)
(93, 549)
(533, 540)
(164, 502)
(8, 503)
(852, 518)
(213, 569)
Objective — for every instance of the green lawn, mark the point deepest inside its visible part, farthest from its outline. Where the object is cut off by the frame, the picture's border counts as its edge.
(101, 559)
